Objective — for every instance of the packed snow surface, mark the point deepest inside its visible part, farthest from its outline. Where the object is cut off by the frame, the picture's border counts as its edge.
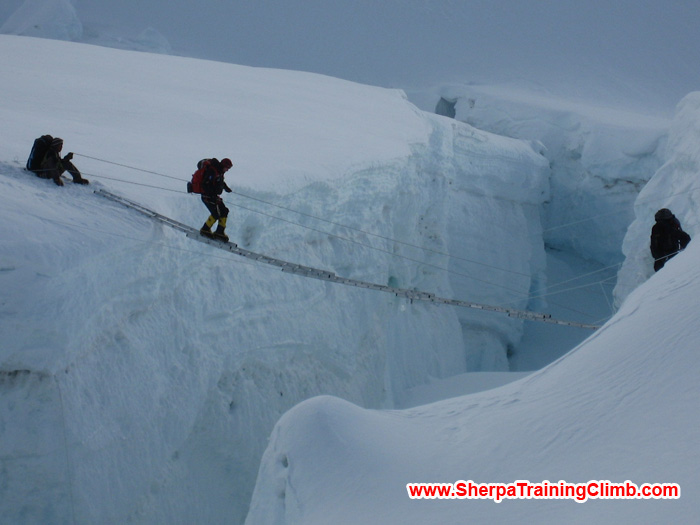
(619, 407)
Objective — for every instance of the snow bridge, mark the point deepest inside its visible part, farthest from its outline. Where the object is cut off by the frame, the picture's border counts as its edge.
(324, 275)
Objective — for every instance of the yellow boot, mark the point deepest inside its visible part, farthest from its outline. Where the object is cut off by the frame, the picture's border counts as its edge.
(219, 233)
(205, 231)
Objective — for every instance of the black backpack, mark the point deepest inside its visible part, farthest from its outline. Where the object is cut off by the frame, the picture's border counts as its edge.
(39, 149)
(667, 238)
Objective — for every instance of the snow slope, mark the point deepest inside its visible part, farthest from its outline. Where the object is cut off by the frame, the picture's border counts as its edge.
(141, 373)
(621, 406)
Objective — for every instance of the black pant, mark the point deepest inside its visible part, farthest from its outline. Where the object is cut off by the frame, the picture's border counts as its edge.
(215, 205)
(659, 263)
(52, 168)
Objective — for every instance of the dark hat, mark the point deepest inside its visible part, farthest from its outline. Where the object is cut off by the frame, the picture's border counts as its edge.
(226, 163)
(663, 214)
(57, 144)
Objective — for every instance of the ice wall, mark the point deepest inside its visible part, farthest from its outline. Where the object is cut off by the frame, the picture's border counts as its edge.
(600, 158)
(170, 362)
(496, 190)
(673, 186)
(162, 382)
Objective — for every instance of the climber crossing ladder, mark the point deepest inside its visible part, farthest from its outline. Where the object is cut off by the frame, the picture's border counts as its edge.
(307, 271)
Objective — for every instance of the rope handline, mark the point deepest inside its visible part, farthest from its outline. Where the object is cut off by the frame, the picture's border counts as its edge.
(571, 289)
(649, 200)
(78, 226)
(645, 201)
(93, 175)
(382, 250)
(346, 239)
(523, 294)
(593, 272)
(315, 273)
(127, 166)
(610, 305)
(505, 304)
(389, 239)
(536, 295)
(340, 237)
(383, 237)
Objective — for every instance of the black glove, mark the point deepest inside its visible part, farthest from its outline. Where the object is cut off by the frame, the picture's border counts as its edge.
(227, 189)
(68, 156)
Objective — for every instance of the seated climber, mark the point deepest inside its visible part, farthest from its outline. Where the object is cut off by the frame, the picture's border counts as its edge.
(45, 160)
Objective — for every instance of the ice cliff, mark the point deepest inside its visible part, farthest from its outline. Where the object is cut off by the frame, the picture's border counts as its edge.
(142, 372)
(599, 157)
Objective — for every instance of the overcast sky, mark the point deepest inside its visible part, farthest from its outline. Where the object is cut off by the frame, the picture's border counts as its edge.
(406, 43)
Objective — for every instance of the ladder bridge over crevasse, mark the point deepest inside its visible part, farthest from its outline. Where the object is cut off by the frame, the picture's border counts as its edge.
(325, 275)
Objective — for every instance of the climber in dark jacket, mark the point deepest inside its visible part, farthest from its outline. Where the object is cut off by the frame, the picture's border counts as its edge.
(213, 184)
(47, 163)
(667, 238)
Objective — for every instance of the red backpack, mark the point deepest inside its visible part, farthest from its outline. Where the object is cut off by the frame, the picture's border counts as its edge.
(195, 185)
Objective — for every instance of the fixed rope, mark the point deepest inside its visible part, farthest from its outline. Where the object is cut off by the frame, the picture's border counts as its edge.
(553, 288)
(531, 295)
(315, 273)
